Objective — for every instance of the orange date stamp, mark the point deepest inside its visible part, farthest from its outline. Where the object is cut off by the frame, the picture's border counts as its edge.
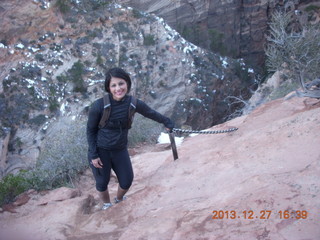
(263, 214)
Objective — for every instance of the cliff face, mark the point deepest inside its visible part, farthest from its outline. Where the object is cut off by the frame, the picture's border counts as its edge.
(54, 55)
(232, 27)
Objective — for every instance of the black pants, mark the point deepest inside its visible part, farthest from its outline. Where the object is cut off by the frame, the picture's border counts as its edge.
(120, 162)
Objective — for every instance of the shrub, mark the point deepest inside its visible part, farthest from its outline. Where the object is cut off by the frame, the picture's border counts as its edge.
(63, 6)
(83, 40)
(144, 130)
(242, 72)
(97, 32)
(38, 120)
(136, 13)
(53, 104)
(216, 41)
(11, 186)
(312, 8)
(63, 156)
(123, 28)
(39, 57)
(148, 40)
(295, 52)
(190, 32)
(76, 73)
(62, 78)
(99, 60)
(285, 88)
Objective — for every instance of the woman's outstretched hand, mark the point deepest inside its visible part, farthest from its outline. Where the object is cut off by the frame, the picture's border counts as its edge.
(169, 130)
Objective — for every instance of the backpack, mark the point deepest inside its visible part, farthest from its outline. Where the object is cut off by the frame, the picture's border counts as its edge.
(107, 111)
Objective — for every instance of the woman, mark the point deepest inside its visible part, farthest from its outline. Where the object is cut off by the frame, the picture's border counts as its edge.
(108, 144)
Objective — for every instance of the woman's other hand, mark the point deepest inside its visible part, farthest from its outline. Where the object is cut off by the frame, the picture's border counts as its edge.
(97, 163)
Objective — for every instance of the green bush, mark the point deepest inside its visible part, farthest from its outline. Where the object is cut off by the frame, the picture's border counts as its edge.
(63, 157)
(242, 72)
(62, 78)
(99, 60)
(136, 13)
(76, 72)
(190, 32)
(124, 29)
(148, 40)
(216, 42)
(11, 186)
(312, 8)
(38, 120)
(75, 75)
(285, 88)
(144, 130)
(53, 104)
(96, 4)
(63, 6)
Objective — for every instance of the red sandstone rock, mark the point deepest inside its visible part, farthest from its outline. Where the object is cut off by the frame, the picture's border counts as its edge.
(270, 165)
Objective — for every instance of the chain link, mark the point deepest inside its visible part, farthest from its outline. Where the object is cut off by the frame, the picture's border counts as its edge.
(178, 130)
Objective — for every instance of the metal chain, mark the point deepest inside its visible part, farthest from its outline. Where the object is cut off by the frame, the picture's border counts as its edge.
(178, 130)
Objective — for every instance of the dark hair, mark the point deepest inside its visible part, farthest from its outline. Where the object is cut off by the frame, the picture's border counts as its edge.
(118, 73)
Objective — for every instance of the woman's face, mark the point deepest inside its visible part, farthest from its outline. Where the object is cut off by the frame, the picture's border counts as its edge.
(118, 88)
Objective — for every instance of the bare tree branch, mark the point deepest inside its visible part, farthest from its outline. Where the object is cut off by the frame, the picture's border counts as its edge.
(296, 52)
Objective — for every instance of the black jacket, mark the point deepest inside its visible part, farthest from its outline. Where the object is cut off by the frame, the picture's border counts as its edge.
(114, 136)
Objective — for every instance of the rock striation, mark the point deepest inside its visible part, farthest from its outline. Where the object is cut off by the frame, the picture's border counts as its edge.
(232, 27)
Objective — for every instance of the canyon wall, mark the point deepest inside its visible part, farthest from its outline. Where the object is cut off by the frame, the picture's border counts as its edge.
(230, 27)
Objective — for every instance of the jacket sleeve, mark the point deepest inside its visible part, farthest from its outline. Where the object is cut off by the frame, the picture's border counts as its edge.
(92, 130)
(148, 112)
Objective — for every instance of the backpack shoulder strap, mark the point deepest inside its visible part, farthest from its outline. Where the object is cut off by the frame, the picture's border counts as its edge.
(106, 111)
(132, 110)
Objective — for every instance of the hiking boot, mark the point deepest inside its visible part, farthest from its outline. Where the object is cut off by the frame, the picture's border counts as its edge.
(106, 206)
(116, 200)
